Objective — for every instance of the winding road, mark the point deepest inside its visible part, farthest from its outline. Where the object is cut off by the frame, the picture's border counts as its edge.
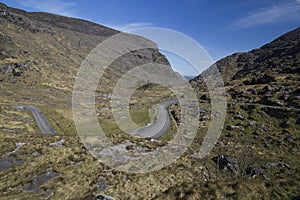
(155, 130)
(160, 126)
(40, 119)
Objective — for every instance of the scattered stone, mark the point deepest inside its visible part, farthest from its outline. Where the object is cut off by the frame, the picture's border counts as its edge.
(252, 123)
(229, 134)
(204, 118)
(102, 184)
(8, 161)
(227, 164)
(263, 80)
(277, 164)
(260, 125)
(266, 145)
(269, 95)
(230, 128)
(40, 180)
(255, 137)
(256, 171)
(241, 134)
(269, 165)
(18, 147)
(253, 91)
(58, 144)
(16, 69)
(268, 88)
(3, 12)
(103, 197)
(36, 154)
(290, 138)
(78, 163)
(256, 133)
(239, 116)
(13, 130)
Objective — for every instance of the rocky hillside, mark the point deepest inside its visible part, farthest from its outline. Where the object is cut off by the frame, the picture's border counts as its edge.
(256, 156)
(41, 50)
(268, 75)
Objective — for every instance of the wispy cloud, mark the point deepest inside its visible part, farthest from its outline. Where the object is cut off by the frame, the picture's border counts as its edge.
(52, 6)
(280, 13)
(130, 26)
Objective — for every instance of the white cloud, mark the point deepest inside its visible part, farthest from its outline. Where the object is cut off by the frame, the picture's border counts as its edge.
(126, 27)
(52, 6)
(275, 14)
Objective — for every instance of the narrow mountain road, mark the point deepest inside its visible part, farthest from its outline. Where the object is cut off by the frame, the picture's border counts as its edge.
(40, 119)
(160, 126)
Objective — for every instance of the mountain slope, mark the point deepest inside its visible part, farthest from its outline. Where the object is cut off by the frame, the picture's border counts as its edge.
(268, 75)
(41, 50)
(40, 55)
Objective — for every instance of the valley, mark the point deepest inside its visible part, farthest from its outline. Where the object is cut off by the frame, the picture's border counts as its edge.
(256, 156)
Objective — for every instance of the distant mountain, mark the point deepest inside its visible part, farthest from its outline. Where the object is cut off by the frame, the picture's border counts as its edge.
(268, 75)
(189, 77)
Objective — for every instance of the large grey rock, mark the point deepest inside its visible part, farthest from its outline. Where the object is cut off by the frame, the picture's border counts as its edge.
(227, 164)
(58, 143)
(8, 162)
(102, 184)
(104, 197)
(40, 180)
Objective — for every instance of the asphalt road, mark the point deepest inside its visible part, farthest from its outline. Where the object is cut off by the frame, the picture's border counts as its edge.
(40, 119)
(160, 126)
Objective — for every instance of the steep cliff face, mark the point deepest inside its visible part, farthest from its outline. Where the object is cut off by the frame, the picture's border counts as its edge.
(268, 75)
(46, 50)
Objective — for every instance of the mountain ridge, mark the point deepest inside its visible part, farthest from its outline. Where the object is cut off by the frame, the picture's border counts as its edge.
(45, 50)
(256, 156)
(276, 64)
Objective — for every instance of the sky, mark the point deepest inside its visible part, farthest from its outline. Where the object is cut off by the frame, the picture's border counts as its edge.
(221, 27)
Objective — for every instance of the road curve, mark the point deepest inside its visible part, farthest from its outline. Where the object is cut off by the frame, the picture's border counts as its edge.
(40, 119)
(160, 126)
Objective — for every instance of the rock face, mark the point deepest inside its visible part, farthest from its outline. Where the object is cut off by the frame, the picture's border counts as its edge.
(268, 75)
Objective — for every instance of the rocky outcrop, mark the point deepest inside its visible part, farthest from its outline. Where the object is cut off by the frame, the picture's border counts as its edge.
(227, 164)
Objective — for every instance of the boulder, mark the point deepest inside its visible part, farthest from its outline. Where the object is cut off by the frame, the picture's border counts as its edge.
(227, 164)
(230, 128)
(104, 197)
(58, 143)
(255, 171)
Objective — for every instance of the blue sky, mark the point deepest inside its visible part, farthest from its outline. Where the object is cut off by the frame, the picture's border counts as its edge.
(221, 27)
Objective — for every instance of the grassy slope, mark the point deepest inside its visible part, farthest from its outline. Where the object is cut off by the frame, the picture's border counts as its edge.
(48, 84)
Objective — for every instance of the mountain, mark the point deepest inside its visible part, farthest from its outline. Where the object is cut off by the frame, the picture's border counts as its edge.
(262, 126)
(256, 156)
(42, 50)
(267, 75)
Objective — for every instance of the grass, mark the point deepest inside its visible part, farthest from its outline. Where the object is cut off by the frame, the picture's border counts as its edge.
(187, 178)
(48, 85)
